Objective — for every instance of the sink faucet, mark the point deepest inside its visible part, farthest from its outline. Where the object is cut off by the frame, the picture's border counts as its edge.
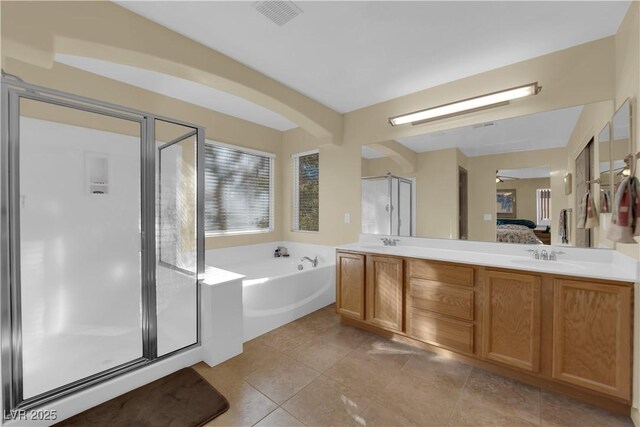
(314, 262)
(544, 255)
(389, 242)
(535, 253)
(553, 255)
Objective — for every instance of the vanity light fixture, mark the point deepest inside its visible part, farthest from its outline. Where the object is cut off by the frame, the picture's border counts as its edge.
(478, 103)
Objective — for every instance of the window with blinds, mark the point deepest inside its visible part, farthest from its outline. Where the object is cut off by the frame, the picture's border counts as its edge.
(543, 206)
(306, 191)
(238, 190)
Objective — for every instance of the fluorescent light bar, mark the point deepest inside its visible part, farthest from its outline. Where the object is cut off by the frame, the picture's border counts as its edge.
(468, 105)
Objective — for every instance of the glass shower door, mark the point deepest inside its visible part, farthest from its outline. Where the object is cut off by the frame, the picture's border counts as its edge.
(176, 236)
(79, 210)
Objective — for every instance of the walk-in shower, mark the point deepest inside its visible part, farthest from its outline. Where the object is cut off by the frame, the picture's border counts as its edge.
(388, 206)
(102, 240)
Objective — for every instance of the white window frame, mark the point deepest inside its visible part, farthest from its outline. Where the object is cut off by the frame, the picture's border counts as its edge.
(296, 195)
(272, 164)
(539, 220)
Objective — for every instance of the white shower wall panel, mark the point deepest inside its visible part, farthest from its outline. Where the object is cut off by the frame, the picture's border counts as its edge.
(80, 252)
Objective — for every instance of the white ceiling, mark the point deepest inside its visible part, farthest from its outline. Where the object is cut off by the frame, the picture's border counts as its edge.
(352, 54)
(550, 129)
(182, 89)
(525, 173)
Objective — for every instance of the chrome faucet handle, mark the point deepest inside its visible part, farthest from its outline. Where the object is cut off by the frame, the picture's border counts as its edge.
(553, 256)
(544, 255)
(394, 241)
(535, 253)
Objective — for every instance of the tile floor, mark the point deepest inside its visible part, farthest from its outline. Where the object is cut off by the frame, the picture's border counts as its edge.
(318, 372)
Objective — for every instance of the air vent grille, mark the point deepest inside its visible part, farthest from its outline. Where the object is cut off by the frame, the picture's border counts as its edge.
(278, 12)
(484, 125)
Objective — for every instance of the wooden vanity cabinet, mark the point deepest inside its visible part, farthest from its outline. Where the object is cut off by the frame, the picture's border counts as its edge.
(569, 334)
(440, 304)
(592, 335)
(384, 296)
(511, 324)
(350, 285)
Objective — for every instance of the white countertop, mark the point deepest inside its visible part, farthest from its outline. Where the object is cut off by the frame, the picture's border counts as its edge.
(596, 263)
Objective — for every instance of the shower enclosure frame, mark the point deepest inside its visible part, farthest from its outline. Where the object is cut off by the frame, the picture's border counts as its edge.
(12, 91)
(389, 177)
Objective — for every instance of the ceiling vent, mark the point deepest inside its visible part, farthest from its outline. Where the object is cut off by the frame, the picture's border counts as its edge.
(484, 125)
(278, 12)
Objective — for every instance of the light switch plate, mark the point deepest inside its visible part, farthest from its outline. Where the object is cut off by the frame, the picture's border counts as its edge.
(347, 218)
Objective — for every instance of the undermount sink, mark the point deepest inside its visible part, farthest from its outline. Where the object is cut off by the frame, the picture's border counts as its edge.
(527, 262)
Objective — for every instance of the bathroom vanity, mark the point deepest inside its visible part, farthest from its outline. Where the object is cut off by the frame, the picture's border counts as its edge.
(563, 325)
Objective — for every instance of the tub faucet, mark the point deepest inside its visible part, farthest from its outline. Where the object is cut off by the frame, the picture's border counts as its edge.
(314, 262)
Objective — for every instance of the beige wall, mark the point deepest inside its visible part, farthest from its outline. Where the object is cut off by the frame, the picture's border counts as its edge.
(526, 206)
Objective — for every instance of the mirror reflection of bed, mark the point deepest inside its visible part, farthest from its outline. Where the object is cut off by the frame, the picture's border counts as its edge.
(523, 205)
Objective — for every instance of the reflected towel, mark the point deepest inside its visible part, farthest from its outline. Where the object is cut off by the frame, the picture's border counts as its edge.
(587, 214)
(605, 202)
(624, 221)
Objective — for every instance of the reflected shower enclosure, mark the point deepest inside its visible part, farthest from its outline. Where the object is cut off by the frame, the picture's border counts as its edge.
(388, 206)
(102, 241)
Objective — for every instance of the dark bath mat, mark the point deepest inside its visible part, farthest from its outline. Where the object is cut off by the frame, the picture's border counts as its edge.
(183, 398)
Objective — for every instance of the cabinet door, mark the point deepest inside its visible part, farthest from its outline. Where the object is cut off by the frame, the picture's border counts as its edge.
(384, 293)
(511, 326)
(592, 336)
(350, 285)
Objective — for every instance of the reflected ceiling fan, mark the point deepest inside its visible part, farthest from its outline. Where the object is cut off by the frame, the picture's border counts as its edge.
(502, 178)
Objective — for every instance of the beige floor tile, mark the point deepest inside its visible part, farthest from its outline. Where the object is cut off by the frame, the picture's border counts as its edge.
(345, 336)
(433, 367)
(380, 415)
(490, 399)
(330, 307)
(427, 402)
(221, 377)
(282, 381)
(364, 373)
(255, 356)
(324, 402)
(247, 407)
(279, 418)
(562, 411)
(287, 338)
(319, 321)
(319, 355)
(385, 350)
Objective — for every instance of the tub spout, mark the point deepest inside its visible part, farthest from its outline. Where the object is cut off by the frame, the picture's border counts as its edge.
(314, 262)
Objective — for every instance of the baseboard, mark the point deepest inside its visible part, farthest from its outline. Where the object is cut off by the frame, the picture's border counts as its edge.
(635, 416)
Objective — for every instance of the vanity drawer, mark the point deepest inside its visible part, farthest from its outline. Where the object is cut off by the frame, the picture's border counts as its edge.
(440, 331)
(440, 272)
(441, 298)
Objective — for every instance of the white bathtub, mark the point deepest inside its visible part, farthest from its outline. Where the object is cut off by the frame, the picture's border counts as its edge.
(275, 292)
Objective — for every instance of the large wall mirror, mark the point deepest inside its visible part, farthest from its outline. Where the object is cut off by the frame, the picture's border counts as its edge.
(499, 181)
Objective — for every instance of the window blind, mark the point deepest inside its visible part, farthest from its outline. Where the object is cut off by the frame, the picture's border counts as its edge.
(543, 206)
(238, 190)
(306, 191)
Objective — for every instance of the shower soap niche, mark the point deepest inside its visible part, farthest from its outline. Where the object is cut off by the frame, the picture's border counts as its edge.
(97, 173)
